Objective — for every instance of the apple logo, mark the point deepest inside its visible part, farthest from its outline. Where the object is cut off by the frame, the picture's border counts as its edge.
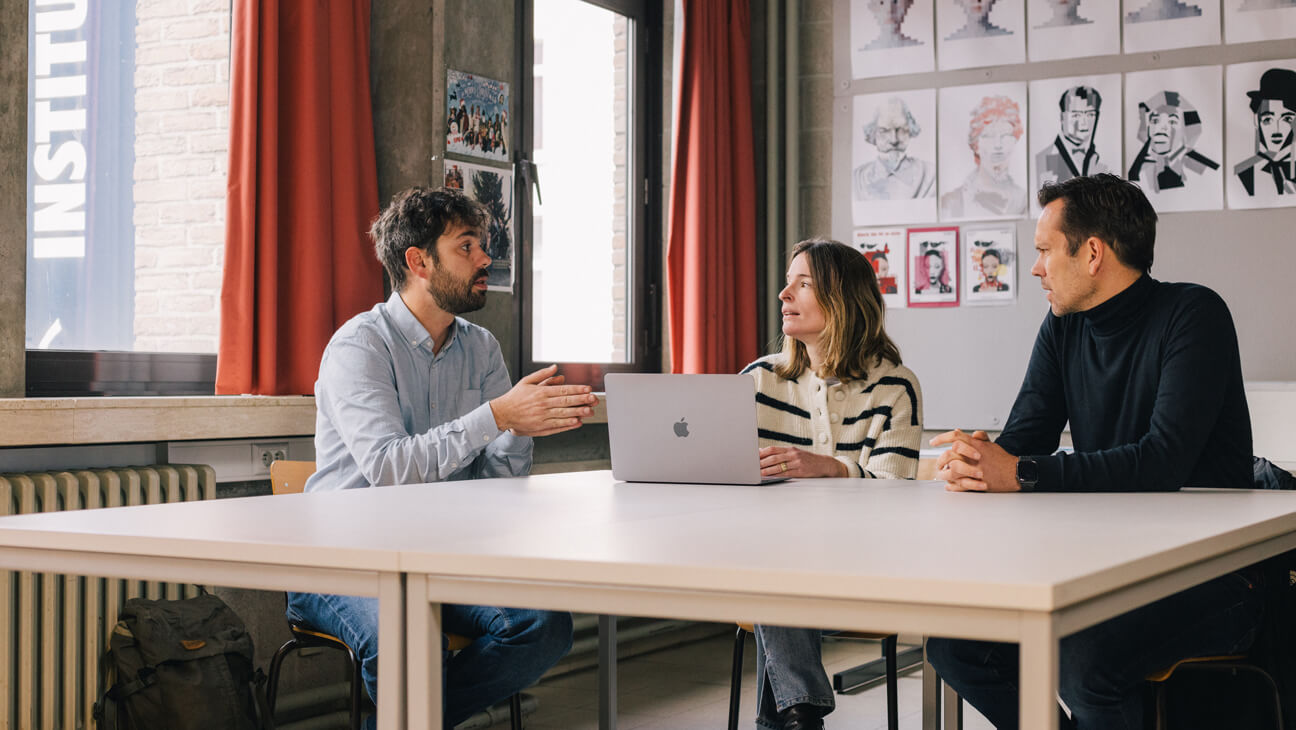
(681, 428)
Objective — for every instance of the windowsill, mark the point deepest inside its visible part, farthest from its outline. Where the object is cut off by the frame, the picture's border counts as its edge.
(116, 420)
(62, 421)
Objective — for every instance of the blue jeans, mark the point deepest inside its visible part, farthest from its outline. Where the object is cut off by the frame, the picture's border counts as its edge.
(512, 646)
(789, 671)
(1102, 668)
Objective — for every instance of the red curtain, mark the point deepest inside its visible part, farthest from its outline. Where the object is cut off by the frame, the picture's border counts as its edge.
(302, 190)
(711, 253)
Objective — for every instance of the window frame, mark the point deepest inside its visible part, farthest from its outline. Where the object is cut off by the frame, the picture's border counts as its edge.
(644, 229)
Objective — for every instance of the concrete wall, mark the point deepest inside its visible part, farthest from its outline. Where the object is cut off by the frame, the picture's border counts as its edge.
(13, 198)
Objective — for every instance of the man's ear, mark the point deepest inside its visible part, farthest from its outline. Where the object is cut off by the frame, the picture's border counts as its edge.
(418, 262)
(1097, 251)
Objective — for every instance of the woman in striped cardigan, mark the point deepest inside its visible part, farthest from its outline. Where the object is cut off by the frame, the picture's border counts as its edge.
(835, 402)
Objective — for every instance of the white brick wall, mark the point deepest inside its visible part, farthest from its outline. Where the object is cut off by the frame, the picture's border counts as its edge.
(181, 160)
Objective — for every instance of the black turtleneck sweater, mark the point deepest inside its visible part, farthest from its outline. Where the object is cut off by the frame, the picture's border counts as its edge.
(1151, 382)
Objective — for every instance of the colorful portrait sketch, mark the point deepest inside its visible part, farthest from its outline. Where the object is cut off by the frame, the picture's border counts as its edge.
(1259, 20)
(1261, 113)
(1075, 129)
(493, 188)
(1153, 25)
(1174, 137)
(933, 265)
(980, 32)
(885, 249)
(991, 265)
(982, 157)
(477, 116)
(890, 37)
(1072, 29)
(893, 171)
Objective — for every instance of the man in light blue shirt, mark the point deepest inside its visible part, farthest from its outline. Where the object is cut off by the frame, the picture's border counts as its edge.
(409, 392)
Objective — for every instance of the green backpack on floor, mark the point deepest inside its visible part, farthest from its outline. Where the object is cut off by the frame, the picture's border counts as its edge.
(182, 665)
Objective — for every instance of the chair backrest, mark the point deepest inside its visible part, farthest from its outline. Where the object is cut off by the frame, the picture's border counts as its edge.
(289, 477)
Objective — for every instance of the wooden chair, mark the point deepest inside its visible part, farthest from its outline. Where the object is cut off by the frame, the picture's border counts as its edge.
(289, 477)
(1236, 664)
(888, 651)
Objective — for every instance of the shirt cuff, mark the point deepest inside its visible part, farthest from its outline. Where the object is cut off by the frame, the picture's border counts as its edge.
(853, 469)
(479, 425)
(1050, 473)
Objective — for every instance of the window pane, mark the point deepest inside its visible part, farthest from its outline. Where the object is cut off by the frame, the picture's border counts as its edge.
(580, 256)
(128, 144)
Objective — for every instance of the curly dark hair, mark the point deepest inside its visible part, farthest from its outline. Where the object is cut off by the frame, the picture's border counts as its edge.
(417, 217)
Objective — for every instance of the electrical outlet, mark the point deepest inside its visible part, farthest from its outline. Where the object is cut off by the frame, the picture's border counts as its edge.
(263, 455)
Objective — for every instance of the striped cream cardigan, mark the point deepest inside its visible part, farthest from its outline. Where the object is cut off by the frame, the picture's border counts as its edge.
(873, 426)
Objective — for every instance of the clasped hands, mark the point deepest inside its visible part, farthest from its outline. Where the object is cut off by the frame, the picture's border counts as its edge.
(540, 405)
(974, 463)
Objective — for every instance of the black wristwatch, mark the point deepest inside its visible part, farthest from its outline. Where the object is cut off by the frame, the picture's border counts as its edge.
(1027, 474)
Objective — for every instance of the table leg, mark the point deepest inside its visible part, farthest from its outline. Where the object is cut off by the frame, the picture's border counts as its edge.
(1039, 673)
(607, 655)
(953, 706)
(423, 656)
(391, 651)
(931, 699)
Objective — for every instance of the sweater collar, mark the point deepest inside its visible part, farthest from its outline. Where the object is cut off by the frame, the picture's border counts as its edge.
(1122, 309)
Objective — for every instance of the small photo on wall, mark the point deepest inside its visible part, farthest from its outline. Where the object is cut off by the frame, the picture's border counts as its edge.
(1157, 25)
(1072, 29)
(980, 33)
(1174, 137)
(1260, 105)
(493, 188)
(991, 264)
(890, 37)
(885, 250)
(1075, 129)
(477, 116)
(1259, 20)
(982, 152)
(893, 158)
(933, 266)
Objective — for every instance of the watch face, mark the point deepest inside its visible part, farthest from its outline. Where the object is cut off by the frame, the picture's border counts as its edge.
(1027, 471)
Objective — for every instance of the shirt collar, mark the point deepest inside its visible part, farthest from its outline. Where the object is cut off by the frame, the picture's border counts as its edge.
(410, 329)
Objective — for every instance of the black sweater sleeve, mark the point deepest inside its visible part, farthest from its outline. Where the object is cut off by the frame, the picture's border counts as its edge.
(1038, 415)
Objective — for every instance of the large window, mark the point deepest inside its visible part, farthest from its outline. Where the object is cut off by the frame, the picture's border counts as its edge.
(590, 289)
(128, 149)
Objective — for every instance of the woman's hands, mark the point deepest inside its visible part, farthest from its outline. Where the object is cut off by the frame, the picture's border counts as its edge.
(791, 462)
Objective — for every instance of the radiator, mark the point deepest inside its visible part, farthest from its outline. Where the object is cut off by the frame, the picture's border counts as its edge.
(57, 626)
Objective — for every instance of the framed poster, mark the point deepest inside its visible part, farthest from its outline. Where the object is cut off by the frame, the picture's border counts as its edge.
(890, 37)
(991, 270)
(477, 116)
(1075, 129)
(893, 158)
(980, 33)
(933, 266)
(1260, 107)
(885, 250)
(982, 152)
(1174, 137)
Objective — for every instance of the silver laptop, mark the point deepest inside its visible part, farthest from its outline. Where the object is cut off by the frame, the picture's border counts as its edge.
(683, 428)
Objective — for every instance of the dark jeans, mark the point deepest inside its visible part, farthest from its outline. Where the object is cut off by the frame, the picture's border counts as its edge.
(1102, 668)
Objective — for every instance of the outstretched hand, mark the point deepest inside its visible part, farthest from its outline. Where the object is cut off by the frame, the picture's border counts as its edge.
(541, 404)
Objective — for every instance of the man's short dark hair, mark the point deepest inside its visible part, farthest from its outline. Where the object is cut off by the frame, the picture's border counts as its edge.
(417, 218)
(1108, 208)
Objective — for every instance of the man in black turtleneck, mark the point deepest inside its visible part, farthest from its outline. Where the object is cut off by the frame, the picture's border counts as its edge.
(1149, 377)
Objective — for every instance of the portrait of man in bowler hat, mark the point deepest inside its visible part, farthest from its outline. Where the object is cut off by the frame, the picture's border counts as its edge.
(1272, 169)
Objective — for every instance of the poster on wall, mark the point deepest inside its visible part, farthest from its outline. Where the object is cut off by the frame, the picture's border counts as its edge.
(1260, 107)
(1155, 25)
(982, 152)
(893, 158)
(1072, 29)
(1174, 137)
(933, 267)
(890, 37)
(493, 188)
(980, 33)
(1259, 20)
(991, 267)
(477, 116)
(885, 250)
(1075, 129)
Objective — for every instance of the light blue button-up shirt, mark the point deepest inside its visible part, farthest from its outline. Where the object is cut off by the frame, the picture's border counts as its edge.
(389, 411)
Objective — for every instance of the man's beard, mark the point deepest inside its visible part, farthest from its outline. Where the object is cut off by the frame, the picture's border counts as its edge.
(455, 296)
